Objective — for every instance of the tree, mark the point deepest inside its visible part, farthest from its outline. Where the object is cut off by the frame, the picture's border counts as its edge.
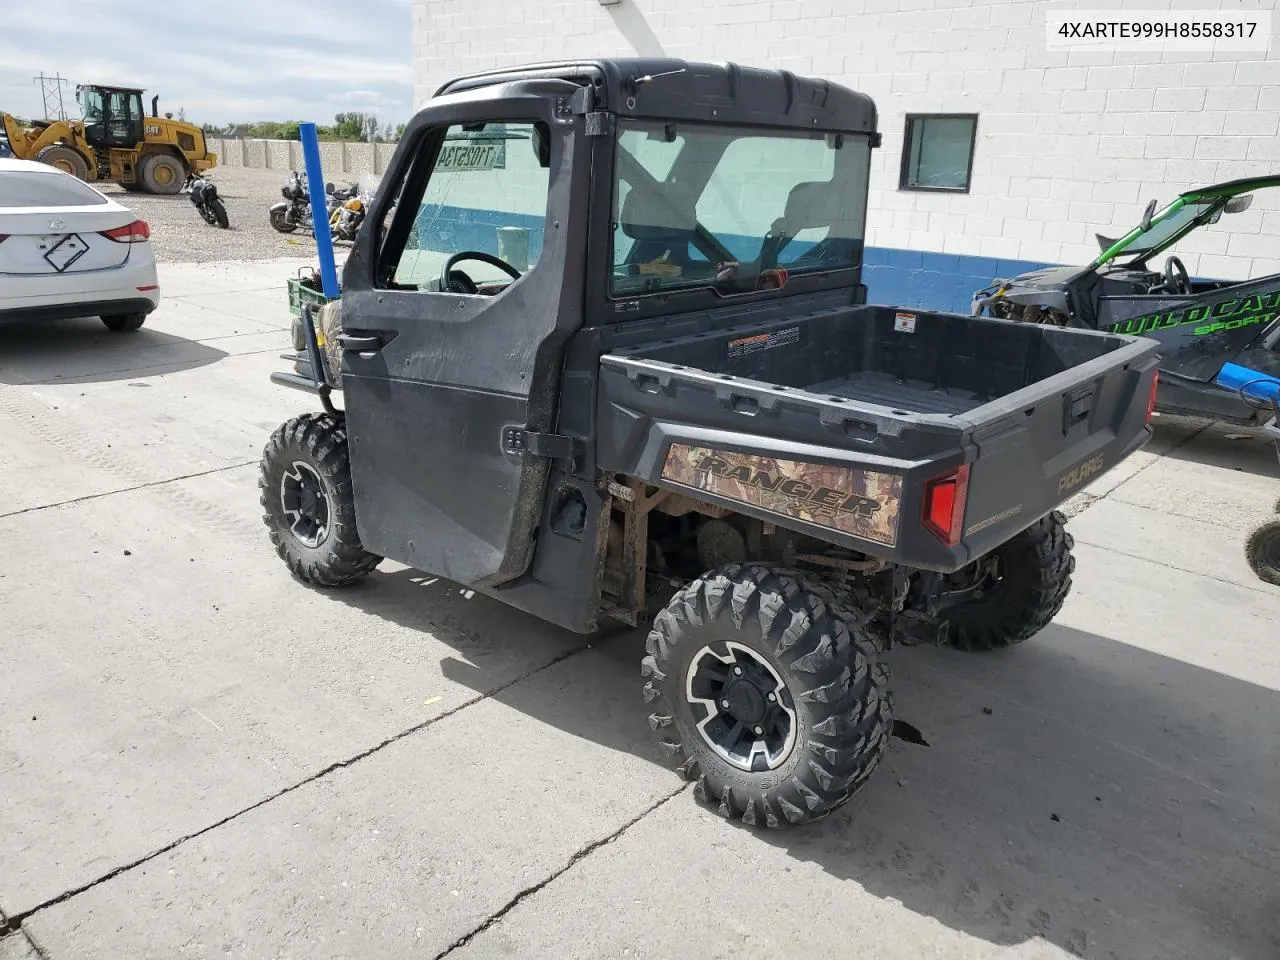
(355, 126)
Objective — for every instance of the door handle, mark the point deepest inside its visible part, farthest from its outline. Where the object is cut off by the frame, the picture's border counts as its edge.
(359, 344)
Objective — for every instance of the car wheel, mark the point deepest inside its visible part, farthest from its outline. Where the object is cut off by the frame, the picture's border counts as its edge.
(124, 322)
(162, 174)
(767, 694)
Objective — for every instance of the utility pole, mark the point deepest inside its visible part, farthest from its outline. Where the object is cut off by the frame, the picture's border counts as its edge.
(51, 95)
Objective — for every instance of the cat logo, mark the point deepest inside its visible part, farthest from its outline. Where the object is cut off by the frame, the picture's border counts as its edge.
(153, 130)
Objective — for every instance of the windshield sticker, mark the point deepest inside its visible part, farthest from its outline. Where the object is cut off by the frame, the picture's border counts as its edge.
(469, 156)
(860, 503)
(763, 341)
(1258, 308)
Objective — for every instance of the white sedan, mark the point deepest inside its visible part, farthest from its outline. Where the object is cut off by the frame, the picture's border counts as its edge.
(68, 250)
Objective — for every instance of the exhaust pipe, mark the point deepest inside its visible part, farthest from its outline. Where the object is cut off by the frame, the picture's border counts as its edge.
(155, 105)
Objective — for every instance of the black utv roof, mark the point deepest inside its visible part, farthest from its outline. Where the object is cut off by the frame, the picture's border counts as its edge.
(724, 92)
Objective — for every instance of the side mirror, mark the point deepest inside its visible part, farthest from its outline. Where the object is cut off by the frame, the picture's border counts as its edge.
(1239, 204)
(1148, 214)
(1104, 243)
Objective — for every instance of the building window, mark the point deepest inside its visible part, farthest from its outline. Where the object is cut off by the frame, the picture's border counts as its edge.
(937, 152)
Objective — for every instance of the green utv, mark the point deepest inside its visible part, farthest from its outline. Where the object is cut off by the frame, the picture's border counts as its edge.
(604, 354)
(1201, 325)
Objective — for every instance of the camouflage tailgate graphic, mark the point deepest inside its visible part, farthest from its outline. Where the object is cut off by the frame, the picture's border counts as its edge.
(860, 503)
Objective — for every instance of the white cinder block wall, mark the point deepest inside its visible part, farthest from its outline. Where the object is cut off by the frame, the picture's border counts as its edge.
(1068, 143)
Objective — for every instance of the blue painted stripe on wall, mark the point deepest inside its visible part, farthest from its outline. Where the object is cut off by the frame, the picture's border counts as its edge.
(933, 281)
(897, 278)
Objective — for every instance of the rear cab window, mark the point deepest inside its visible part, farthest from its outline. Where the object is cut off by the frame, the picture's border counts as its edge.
(20, 188)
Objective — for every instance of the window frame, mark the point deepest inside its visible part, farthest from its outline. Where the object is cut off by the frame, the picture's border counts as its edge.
(425, 149)
(668, 295)
(905, 163)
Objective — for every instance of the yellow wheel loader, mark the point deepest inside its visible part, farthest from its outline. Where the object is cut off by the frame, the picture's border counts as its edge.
(116, 141)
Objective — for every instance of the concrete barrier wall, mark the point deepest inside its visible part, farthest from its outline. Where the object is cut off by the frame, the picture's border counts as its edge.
(337, 158)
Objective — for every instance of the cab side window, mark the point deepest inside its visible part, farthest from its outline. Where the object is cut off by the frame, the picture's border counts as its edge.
(485, 199)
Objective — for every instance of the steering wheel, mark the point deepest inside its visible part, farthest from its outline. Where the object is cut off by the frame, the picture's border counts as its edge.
(1176, 279)
(456, 281)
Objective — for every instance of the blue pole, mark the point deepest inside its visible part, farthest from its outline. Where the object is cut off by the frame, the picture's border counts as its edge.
(319, 208)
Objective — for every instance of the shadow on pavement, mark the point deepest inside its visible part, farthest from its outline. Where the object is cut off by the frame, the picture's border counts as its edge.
(1112, 801)
(1223, 445)
(84, 351)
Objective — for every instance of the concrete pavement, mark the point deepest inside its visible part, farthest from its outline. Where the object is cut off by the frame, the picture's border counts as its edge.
(199, 757)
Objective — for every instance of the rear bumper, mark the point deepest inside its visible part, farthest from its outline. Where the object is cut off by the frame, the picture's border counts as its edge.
(88, 308)
(133, 287)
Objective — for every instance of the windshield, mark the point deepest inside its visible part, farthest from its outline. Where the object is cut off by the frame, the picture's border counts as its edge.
(737, 210)
(1158, 234)
(91, 102)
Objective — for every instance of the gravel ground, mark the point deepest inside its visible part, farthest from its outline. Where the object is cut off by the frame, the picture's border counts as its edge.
(180, 235)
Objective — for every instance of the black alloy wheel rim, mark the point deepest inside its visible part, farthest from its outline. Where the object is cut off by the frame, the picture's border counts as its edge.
(741, 706)
(305, 503)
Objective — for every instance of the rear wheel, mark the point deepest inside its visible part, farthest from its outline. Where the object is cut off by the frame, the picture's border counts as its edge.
(66, 159)
(123, 322)
(161, 173)
(308, 502)
(768, 695)
(219, 213)
(1029, 582)
(1263, 551)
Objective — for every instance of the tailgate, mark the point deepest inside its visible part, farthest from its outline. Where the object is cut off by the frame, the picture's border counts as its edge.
(1040, 446)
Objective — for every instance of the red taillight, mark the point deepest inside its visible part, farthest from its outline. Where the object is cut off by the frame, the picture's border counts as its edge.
(1151, 400)
(944, 499)
(134, 232)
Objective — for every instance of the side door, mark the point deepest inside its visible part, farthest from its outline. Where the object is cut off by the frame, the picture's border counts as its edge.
(450, 381)
(1197, 333)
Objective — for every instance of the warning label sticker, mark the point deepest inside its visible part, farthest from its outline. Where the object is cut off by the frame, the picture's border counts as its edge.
(904, 322)
(763, 341)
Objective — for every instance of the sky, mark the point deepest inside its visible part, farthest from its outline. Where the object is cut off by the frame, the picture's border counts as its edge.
(229, 62)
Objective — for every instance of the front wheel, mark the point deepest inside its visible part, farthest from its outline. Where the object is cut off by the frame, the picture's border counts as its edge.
(67, 159)
(304, 485)
(767, 694)
(1262, 551)
(280, 220)
(1028, 580)
(219, 213)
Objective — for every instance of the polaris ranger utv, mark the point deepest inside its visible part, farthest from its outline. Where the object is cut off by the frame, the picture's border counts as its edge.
(657, 386)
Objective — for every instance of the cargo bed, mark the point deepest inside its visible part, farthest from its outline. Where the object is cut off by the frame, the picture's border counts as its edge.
(901, 393)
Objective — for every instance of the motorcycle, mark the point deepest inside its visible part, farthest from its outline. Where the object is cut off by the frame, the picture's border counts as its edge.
(345, 208)
(345, 218)
(295, 210)
(204, 197)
